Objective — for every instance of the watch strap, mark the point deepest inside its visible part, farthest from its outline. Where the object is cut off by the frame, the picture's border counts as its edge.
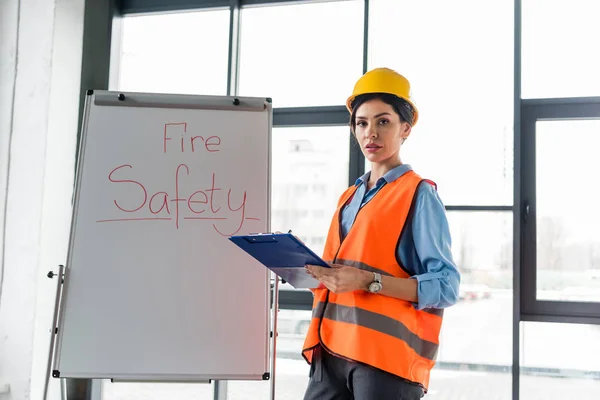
(377, 277)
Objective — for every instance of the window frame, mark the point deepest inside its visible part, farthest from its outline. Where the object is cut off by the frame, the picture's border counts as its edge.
(525, 114)
(532, 309)
(148, 6)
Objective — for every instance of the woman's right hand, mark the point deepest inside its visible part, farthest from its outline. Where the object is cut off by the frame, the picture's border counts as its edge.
(341, 278)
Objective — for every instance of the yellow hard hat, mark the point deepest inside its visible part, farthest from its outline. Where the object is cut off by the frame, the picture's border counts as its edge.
(384, 80)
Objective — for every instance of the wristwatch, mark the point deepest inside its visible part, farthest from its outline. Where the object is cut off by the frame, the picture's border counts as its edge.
(375, 286)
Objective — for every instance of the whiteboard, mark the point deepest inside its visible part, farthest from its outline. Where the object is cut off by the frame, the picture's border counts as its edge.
(153, 288)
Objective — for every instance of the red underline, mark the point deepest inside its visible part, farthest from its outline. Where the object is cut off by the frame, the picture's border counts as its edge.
(167, 219)
(134, 219)
(211, 218)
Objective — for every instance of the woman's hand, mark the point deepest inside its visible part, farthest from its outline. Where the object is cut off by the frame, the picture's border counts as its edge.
(341, 278)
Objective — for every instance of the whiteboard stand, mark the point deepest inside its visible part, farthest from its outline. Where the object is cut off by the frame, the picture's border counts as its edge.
(60, 279)
(274, 334)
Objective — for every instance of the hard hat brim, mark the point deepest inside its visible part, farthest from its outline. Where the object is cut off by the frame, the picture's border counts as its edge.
(351, 99)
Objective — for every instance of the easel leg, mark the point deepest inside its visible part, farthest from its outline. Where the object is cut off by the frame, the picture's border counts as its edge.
(59, 284)
(274, 342)
(78, 389)
(220, 390)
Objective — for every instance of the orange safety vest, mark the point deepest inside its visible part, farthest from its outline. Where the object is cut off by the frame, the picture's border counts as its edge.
(384, 332)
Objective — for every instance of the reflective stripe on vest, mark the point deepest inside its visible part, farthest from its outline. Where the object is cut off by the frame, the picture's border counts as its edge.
(377, 322)
(381, 331)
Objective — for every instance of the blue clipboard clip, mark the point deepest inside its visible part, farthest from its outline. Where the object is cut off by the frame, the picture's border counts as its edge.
(284, 254)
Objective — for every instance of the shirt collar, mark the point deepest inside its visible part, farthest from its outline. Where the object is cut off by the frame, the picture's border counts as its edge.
(388, 177)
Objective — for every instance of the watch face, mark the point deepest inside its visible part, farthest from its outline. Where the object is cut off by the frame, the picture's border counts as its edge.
(374, 287)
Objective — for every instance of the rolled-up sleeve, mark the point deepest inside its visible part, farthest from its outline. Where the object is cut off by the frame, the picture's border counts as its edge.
(437, 275)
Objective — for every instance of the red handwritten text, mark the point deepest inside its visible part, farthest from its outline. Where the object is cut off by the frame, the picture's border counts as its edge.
(165, 206)
(174, 129)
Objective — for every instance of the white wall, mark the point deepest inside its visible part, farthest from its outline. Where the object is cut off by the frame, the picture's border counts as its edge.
(40, 69)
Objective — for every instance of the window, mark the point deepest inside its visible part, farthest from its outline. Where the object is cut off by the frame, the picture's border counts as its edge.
(568, 240)
(302, 55)
(559, 361)
(458, 56)
(559, 55)
(559, 268)
(476, 335)
(292, 369)
(183, 53)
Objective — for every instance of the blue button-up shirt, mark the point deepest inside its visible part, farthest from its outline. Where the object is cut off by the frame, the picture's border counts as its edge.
(424, 249)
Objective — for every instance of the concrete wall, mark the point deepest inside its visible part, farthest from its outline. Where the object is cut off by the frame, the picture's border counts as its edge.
(27, 49)
(40, 83)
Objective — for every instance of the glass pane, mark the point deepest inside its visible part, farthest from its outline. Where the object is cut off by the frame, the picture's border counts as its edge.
(567, 214)
(560, 361)
(467, 382)
(175, 53)
(460, 62)
(302, 55)
(482, 352)
(292, 370)
(559, 42)
(156, 391)
(309, 173)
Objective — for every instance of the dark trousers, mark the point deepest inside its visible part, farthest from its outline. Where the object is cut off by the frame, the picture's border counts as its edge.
(334, 378)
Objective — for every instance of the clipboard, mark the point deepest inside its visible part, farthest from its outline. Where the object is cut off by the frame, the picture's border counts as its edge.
(284, 254)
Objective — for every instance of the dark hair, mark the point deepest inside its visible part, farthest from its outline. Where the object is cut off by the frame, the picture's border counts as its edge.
(401, 107)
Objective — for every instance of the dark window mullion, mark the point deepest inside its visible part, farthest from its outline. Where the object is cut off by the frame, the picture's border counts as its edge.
(527, 214)
(233, 63)
(150, 6)
(310, 116)
(357, 160)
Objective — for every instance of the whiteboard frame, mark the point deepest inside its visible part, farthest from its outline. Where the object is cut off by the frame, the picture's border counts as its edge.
(149, 100)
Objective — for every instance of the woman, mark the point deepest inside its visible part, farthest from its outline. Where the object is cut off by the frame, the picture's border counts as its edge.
(378, 311)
